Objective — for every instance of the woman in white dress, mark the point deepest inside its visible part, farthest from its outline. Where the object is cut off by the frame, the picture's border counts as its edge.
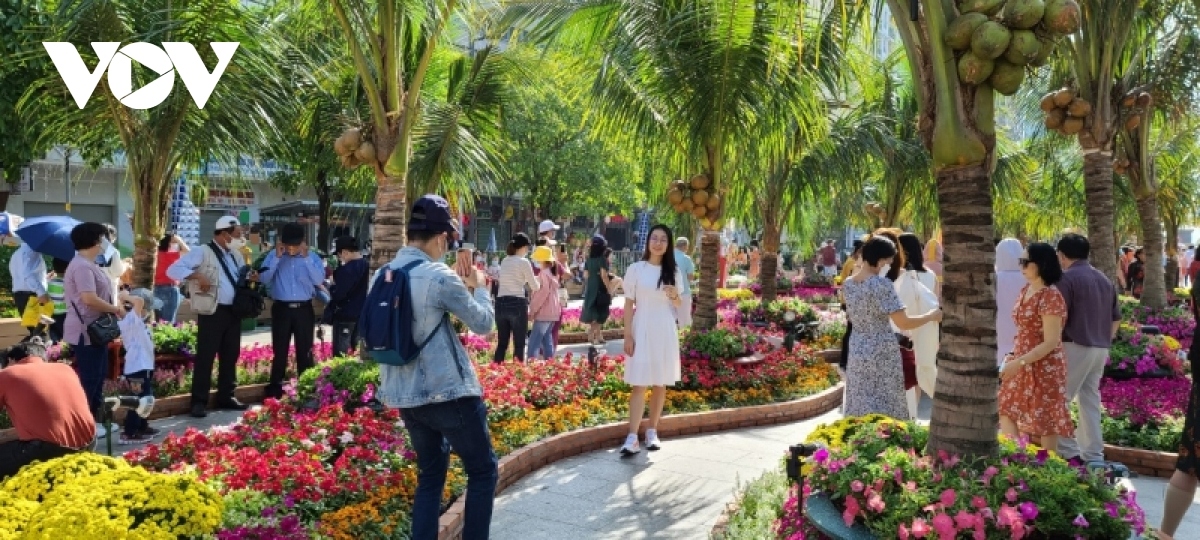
(1009, 282)
(651, 337)
(919, 299)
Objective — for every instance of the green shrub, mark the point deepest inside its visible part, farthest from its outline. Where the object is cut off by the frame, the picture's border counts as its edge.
(343, 373)
(759, 507)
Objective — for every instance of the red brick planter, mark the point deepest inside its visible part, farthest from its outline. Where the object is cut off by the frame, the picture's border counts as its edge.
(1144, 462)
(539, 454)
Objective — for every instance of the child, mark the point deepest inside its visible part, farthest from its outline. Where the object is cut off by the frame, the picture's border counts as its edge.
(56, 289)
(139, 358)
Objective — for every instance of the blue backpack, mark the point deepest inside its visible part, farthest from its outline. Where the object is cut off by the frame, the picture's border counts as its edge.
(386, 323)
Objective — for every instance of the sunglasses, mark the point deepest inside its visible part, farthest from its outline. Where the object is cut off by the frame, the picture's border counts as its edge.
(1023, 262)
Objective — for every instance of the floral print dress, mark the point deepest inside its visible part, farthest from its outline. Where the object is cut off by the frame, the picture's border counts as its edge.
(874, 374)
(1036, 398)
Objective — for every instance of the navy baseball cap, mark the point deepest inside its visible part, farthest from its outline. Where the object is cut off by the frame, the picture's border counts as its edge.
(432, 213)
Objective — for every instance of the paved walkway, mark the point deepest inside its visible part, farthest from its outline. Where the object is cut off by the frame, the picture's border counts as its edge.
(677, 492)
(681, 490)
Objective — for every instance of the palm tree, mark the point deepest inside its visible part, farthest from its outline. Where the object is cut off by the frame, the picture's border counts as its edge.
(956, 123)
(1105, 60)
(1166, 72)
(458, 142)
(686, 83)
(393, 44)
(237, 119)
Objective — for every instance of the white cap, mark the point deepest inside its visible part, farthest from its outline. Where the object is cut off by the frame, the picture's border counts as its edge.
(226, 222)
(547, 226)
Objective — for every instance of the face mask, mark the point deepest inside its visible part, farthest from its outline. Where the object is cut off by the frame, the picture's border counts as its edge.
(883, 270)
(237, 243)
(105, 245)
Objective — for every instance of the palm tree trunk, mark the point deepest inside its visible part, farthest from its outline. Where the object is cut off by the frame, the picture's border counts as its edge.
(770, 256)
(1154, 292)
(150, 206)
(324, 208)
(965, 414)
(391, 215)
(1098, 189)
(1173, 268)
(706, 290)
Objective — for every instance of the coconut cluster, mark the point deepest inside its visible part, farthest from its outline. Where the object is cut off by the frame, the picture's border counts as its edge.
(353, 150)
(697, 198)
(997, 39)
(1134, 106)
(1066, 112)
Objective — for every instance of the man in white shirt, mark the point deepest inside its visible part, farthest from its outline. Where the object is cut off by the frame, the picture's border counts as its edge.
(29, 278)
(218, 333)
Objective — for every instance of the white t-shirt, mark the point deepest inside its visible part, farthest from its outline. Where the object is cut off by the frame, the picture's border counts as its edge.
(139, 348)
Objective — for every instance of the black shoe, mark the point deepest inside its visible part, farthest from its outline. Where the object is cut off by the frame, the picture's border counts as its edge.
(231, 404)
(198, 410)
(273, 391)
(592, 356)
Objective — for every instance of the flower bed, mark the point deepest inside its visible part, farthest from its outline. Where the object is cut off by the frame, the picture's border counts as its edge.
(87, 495)
(1144, 413)
(876, 474)
(1136, 354)
(350, 474)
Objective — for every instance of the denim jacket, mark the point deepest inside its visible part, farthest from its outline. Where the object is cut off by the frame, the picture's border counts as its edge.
(443, 371)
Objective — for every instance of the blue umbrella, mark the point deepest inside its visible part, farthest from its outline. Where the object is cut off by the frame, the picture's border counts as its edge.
(49, 235)
(9, 222)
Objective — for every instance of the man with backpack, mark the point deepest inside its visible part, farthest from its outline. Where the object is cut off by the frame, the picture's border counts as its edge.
(349, 292)
(424, 368)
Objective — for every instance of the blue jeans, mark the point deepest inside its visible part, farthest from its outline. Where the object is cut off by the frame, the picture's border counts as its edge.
(135, 424)
(433, 430)
(170, 297)
(541, 339)
(91, 363)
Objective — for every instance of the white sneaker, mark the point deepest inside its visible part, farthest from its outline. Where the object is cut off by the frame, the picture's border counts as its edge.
(101, 431)
(652, 442)
(631, 446)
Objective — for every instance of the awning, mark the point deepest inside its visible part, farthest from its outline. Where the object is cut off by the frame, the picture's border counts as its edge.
(308, 208)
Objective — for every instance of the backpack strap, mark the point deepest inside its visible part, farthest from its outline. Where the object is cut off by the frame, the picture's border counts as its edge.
(443, 323)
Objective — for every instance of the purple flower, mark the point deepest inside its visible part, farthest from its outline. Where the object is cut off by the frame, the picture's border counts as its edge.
(1041, 456)
(1029, 511)
(821, 455)
(1080, 521)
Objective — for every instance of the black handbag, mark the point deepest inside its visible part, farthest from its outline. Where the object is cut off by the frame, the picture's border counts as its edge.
(248, 303)
(101, 331)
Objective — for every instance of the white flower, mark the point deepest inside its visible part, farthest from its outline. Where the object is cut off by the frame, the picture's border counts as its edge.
(322, 432)
(307, 443)
(346, 437)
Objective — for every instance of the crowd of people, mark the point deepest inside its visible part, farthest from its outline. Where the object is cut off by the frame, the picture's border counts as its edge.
(1057, 317)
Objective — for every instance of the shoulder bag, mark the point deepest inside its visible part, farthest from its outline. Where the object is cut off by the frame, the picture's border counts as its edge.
(248, 303)
(103, 330)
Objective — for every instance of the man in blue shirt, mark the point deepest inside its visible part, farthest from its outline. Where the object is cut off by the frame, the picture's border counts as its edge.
(293, 275)
(687, 267)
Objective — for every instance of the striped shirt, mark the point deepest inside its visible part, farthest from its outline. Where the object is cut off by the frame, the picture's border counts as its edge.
(515, 273)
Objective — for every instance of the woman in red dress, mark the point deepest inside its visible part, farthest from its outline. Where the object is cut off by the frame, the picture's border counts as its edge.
(1033, 380)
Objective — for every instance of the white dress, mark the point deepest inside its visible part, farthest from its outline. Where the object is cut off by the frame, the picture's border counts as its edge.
(655, 360)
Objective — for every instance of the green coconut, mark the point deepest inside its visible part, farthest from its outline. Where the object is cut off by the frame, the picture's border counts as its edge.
(1023, 47)
(958, 34)
(1023, 14)
(1061, 16)
(990, 40)
(1045, 49)
(973, 69)
(986, 7)
(1006, 78)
